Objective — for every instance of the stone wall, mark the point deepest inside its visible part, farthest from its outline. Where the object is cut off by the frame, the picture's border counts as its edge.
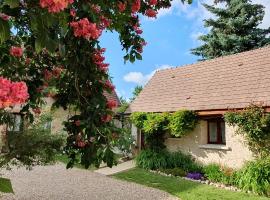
(233, 154)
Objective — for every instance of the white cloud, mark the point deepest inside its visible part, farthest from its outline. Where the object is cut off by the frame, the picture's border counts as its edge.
(140, 78)
(136, 77)
(266, 19)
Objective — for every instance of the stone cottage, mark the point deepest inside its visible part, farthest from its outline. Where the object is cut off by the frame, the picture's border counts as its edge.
(210, 88)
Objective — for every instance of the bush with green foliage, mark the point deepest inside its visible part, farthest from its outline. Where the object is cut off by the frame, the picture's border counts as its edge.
(32, 146)
(182, 122)
(254, 124)
(183, 161)
(175, 171)
(163, 159)
(216, 173)
(213, 172)
(255, 176)
(149, 159)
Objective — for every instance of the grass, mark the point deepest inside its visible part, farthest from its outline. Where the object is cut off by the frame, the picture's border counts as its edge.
(185, 190)
(5, 185)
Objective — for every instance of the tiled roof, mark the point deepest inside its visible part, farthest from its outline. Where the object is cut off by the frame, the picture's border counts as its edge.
(232, 81)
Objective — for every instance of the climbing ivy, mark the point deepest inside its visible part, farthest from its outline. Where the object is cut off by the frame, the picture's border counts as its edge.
(182, 122)
(254, 124)
(156, 125)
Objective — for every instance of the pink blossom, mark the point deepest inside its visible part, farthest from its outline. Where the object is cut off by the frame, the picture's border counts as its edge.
(86, 29)
(4, 17)
(98, 59)
(47, 75)
(151, 13)
(106, 118)
(105, 22)
(16, 51)
(73, 12)
(111, 104)
(136, 6)
(152, 2)
(109, 85)
(96, 8)
(122, 6)
(55, 6)
(12, 93)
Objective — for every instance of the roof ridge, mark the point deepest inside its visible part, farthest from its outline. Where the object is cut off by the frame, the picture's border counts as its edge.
(213, 59)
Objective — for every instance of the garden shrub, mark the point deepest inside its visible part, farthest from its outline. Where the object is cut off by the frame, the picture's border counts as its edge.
(182, 122)
(183, 161)
(175, 171)
(213, 173)
(149, 159)
(163, 159)
(255, 176)
(216, 173)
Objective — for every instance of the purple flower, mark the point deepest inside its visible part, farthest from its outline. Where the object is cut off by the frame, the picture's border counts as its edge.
(194, 175)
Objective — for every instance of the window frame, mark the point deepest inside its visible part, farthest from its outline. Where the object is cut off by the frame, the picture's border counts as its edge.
(219, 131)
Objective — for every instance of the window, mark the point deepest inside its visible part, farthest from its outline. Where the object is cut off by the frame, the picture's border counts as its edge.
(48, 125)
(216, 131)
(17, 123)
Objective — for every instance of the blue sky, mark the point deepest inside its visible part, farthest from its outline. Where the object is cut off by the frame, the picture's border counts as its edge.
(170, 38)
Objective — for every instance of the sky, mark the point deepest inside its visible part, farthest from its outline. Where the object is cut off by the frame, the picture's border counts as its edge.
(169, 39)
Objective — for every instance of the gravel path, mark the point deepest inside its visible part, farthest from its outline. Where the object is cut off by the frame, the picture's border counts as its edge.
(57, 183)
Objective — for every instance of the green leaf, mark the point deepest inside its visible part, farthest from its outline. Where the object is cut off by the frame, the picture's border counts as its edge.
(5, 185)
(109, 157)
(138, 56)
(44, 41)
(132, 58)
(4, 31)
(12, 3)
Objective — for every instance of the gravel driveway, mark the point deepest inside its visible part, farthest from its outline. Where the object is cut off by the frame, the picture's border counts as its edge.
(57, 183)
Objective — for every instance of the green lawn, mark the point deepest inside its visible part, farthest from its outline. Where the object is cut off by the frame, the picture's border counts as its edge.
(185, 190)
(5, 185)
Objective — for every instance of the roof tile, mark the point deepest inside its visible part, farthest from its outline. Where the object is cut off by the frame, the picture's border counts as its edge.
(232, 81)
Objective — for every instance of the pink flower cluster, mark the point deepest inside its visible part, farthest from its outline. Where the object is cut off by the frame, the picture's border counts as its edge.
(4, 17)
(86, 29)
(55, 73)
(109, 85)
(111, 104)
(16, 51)
(98, 59)
(122, 6)
(106, 118)
(151, 13)
(55, 6)
(12, 93)
(136, 6)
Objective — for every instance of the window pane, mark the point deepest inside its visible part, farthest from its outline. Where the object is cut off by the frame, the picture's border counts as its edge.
(222, 127)
(212, 131)
(17, 123)
(48, 125)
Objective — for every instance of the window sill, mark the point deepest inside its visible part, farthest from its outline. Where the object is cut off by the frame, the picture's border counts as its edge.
(215, 147)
